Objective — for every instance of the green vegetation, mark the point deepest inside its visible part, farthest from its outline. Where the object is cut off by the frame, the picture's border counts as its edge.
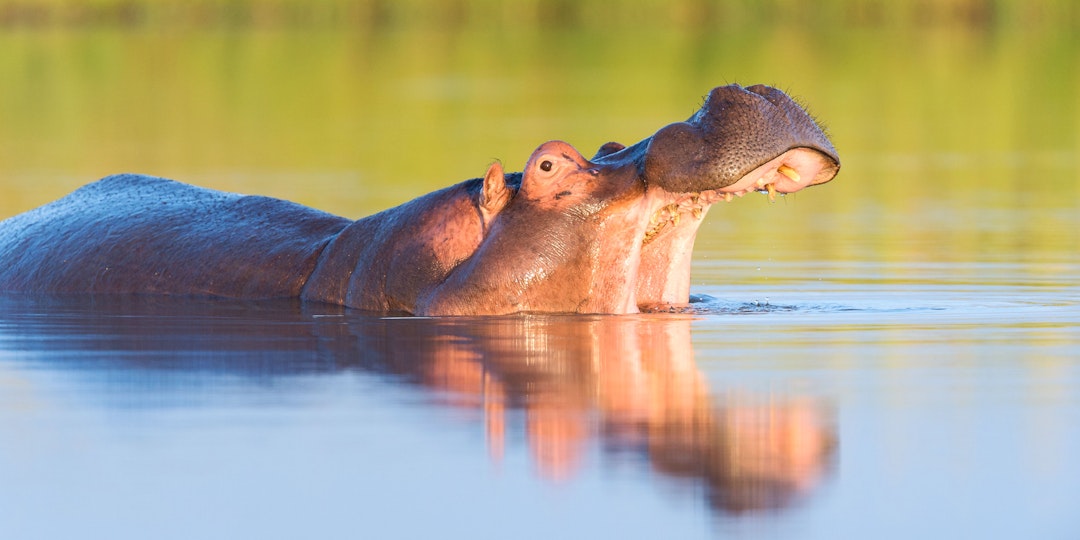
(957, 121)
(575, 13)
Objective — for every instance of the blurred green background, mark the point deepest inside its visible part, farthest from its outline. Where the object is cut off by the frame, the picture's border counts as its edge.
(957, 121)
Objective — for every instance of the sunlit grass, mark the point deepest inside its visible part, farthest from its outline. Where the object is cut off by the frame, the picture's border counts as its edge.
(959, 136)
(464, 13)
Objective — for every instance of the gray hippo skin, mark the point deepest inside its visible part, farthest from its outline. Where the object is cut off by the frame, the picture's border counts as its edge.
(610, 235)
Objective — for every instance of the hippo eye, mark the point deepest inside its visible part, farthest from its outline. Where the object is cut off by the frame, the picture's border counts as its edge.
(545, 165)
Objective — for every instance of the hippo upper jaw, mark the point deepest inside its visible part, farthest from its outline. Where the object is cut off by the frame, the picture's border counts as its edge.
(741, 140)
(740, 137)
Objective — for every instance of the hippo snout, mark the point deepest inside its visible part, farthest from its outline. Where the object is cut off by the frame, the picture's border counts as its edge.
(737, 131)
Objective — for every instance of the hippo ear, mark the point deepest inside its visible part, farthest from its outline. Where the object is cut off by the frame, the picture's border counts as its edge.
(495, 194)
(608, 149)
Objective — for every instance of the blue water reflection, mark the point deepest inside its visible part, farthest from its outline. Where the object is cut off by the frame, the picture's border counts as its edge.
(210, 417)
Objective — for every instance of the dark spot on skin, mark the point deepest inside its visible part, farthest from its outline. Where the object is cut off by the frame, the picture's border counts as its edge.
(562, 194)
(545, 166)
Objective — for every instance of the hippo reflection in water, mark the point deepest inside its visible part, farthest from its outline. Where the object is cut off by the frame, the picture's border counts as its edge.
(576, 393)
(610, 235)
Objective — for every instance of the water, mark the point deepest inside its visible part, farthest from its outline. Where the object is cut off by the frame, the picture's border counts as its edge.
(891, 355)
(823, 408)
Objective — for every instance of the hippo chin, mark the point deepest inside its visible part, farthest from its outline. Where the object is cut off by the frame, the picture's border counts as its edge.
(610, 235)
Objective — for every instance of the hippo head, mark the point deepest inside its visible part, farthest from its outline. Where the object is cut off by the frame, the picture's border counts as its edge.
(616, 234)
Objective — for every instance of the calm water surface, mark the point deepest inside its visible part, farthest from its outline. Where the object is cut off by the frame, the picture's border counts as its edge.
(823, 408)
(895, 354)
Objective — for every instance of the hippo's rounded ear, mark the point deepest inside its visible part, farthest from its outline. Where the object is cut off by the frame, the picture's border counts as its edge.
(494, 195)
(608, 148)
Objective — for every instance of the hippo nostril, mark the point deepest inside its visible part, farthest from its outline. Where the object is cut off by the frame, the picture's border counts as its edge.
(545, 166)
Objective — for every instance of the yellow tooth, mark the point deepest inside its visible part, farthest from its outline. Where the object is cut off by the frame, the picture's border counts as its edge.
(789, 172)
(728, 197)
(649, 235)
(772, 192)
(696, 212)
(761, 182)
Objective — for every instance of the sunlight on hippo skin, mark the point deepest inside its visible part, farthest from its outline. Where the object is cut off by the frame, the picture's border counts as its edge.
(611, 235)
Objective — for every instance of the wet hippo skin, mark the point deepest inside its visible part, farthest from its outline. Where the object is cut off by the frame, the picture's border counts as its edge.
(613, 234)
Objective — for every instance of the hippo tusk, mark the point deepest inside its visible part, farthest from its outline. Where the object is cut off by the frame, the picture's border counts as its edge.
(789, 172)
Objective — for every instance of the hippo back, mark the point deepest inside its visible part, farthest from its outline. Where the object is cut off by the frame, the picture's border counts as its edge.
(132, 233)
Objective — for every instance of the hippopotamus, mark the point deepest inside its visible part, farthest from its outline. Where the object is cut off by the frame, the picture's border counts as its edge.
(609, 235)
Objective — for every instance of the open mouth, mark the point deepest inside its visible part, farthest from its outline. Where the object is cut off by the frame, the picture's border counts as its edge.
(789, 172)
(671, 214)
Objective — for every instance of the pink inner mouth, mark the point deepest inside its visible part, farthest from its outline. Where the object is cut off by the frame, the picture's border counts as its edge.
(789, 172)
